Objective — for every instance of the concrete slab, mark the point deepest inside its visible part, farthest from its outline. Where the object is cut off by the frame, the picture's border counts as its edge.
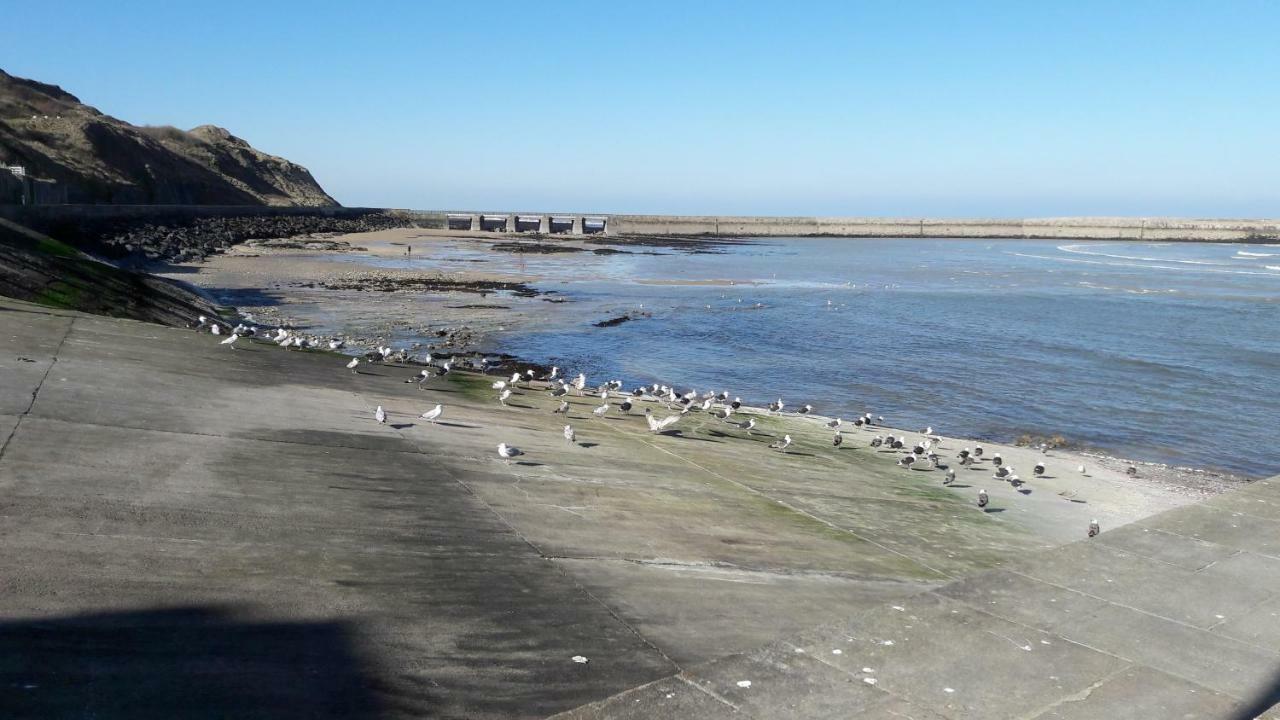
(1150, 586)
(1246, 571)
(667, 698)
(1218, 663)
(699, 612)
(785, 682)
(959, 662)
(1237, 530)
(1258, 503)
(31, 340)
(1141, 694)
(1259, 627)
(1184, 552)
(1021, 599)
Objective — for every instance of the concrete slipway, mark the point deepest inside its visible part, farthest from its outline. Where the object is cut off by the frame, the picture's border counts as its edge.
(191, 531)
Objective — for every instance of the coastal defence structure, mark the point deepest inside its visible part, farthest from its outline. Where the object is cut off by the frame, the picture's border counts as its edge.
(1156, 229)
(1086, 228)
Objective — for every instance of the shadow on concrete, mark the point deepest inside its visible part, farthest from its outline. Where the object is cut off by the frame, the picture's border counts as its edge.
(401, 426)
(188, 662)
(454, 424)
(992, 510)
(1266, 700)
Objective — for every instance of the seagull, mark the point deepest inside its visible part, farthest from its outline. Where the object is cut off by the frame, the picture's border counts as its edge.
(1094, 528)
(834, 424)
(600, 411)
(776, 406)
(805, 410)
(499, 385)
(580, 382)
(1039, 469)
(432, 414)
(1081, 470)
(502, 399)
(997, 460)
(877, 441)
(335, 344)
(977, 451)
(950, 477)
(552, 375)
(835, 441)
(560, 390)
(982, 498)
(736, 404)
(569, 434)
(215, 329)
(656, 425)
(749, 424)
(907, 461)
(352, 366)
(506, 452)
(781, 444)
(231, 341)
(563, 409)
(203, 321)
(724, 413)
(380, 415)
(1001, 473)
(625, 407)
(445, 368)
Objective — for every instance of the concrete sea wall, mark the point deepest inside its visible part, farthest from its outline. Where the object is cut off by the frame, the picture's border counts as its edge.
(569, 223)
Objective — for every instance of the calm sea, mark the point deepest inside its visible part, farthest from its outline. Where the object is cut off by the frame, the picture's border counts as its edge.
(1166, 352)
(1151, 351)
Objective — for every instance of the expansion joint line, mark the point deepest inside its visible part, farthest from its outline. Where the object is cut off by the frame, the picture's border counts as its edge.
(36, 392)
(788, 505)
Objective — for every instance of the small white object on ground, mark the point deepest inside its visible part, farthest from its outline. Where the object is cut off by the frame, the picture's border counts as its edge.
(869, 681)
(579, 659)
(744, 683)
(837, 651)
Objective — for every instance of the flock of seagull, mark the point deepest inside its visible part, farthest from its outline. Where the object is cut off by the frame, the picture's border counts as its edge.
(919, 454)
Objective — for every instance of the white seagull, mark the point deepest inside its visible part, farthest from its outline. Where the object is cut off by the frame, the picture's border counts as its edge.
(353, 364)
(380, 415)
(231, 341)
(1094, 528)
(563, 409)
(600, 411)
(432, 414)
(656, 425)
(502, 398)
(215, 329)
(782, 444)
(507, 452)
(569, 434)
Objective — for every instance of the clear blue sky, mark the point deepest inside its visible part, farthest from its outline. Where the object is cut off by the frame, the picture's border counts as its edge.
(888, 108)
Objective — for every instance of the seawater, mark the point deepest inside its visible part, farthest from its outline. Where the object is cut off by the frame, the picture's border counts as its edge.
(1151, 351)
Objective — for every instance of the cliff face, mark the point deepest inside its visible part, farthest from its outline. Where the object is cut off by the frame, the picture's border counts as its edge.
(102, 159)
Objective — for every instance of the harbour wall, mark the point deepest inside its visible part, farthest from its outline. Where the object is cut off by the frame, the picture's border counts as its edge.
(576, 223)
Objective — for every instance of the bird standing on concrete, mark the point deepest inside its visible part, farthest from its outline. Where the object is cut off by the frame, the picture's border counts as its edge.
(837, 440)
(1038, 469)
(352, 366)
(215, 329)
(782, 444)
(1094, 528)
(231, 341)
(805, 410)
(380, 415)
(982, 498)
(431, 415)
(506, 452)
(950, 477)
(502, 397)
(563, 409)
(600, 411)
(569, 435)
